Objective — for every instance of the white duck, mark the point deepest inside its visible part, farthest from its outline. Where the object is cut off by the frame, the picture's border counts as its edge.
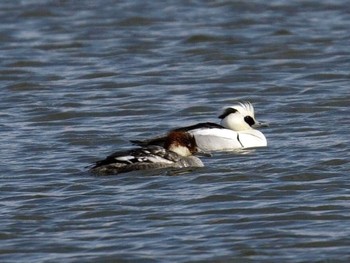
(236, 131)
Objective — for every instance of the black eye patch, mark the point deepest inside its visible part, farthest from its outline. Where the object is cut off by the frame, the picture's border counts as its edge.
(227, 112)
(249, 120)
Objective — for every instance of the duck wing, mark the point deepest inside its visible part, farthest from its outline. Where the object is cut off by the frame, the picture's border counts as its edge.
(149, 154)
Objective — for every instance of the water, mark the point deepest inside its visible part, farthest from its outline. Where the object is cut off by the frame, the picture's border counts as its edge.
(81, 78)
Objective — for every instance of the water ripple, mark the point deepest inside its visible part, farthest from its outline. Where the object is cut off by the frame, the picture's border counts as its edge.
(80, 80)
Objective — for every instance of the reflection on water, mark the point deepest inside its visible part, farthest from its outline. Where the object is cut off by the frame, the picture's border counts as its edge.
(80, 79)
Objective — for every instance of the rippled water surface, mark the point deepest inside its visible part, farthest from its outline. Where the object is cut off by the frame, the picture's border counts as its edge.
(81, 78)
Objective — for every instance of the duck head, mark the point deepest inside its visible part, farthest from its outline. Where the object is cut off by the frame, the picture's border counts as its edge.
(240, 117)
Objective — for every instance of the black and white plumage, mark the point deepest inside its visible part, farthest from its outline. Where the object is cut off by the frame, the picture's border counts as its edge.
(177, 152)
(236, 131)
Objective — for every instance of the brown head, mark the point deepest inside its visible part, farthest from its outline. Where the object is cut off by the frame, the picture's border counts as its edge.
(181, 142)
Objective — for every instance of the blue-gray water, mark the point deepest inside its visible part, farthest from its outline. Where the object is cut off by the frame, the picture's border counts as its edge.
(81, 78)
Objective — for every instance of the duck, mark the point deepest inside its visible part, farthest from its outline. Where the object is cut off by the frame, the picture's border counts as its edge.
(237, 130)
(177, 151)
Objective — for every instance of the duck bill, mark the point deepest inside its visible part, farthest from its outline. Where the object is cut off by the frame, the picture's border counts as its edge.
(259, 124)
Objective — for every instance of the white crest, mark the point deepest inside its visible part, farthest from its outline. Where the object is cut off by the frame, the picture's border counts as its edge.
(245, 108)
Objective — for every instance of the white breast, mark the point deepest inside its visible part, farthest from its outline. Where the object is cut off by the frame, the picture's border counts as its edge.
(252, 138)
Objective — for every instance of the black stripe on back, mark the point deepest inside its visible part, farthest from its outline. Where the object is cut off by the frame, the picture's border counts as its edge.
(208, 125)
